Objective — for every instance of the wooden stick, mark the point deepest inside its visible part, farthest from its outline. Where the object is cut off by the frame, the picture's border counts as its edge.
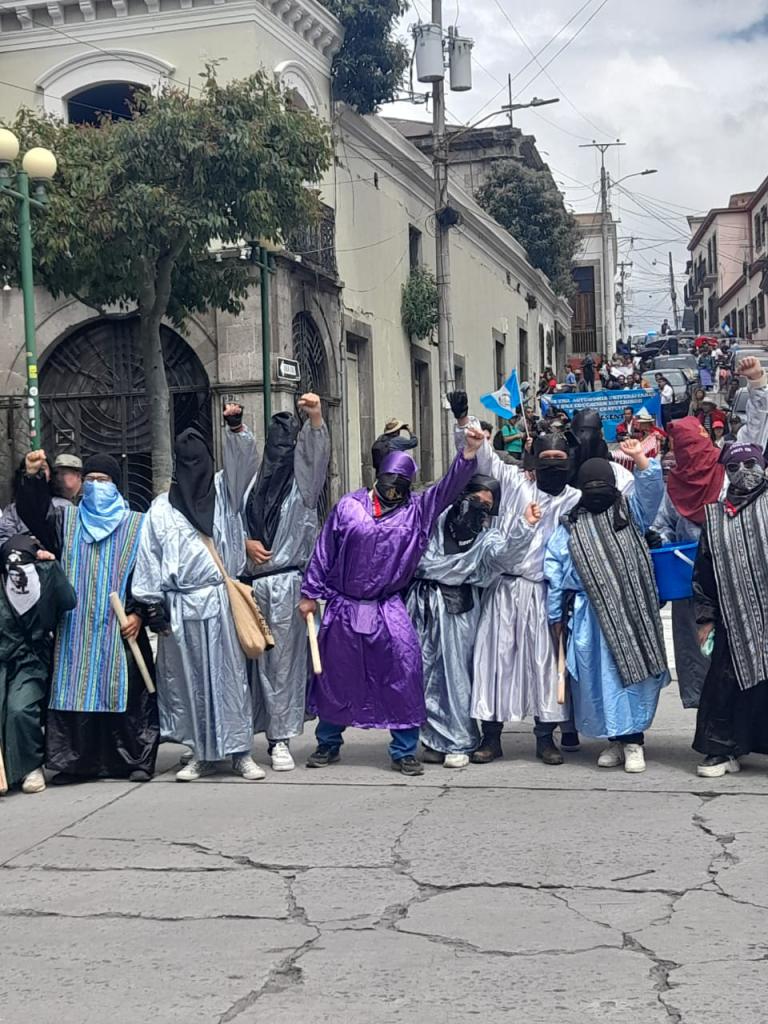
(3, 779)
(561, 696)
(138, 657)
(317, 665)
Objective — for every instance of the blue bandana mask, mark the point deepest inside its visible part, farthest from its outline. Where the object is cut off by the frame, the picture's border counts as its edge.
(101, 509)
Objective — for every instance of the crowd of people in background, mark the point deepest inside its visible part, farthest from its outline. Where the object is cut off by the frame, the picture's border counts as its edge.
(520, 586)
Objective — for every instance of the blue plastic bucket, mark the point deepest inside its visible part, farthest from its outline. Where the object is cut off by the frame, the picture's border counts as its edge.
(673, 565)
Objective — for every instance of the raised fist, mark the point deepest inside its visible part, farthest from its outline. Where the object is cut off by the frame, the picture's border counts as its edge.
(750, 367)
(35, 461)
(233, 415)
(459, 403)
(533, 514)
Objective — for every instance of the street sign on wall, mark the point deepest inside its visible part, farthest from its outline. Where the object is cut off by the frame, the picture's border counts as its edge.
(288, 370)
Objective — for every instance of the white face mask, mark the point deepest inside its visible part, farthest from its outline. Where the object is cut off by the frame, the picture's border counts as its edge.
(22, 587)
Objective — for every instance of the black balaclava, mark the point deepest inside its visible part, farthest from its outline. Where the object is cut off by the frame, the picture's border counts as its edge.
(551, 474)
(275, 479)
(393, 491)
(20, 580)
(469, 515)
(193, 492)
(586, 439)
(597, 483)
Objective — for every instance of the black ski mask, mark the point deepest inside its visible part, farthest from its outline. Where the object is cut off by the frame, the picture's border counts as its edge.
(585, 437)
(393, 490)
(469, 515)
(551, 473)
(597, 483)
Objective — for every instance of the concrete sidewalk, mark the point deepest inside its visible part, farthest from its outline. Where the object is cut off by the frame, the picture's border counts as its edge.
(507, 893)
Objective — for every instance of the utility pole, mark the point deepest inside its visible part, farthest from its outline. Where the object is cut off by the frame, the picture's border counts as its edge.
(445, 338)
(673, 293)
(622, 305)
(609, 301)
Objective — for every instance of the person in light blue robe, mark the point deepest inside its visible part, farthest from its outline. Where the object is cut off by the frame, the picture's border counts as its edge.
(606, 703)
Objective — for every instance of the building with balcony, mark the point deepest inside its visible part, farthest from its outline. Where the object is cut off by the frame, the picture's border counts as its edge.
(335, 296)
(727, 279)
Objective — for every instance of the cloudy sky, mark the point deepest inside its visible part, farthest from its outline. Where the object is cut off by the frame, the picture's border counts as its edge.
(683, 82)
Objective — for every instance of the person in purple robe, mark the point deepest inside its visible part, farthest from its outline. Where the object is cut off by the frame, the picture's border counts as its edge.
(363, 562)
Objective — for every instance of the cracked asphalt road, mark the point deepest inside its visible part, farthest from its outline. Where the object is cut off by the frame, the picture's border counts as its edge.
(512, 892)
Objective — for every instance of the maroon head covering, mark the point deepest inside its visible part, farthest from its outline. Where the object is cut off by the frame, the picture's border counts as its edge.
(697, 478)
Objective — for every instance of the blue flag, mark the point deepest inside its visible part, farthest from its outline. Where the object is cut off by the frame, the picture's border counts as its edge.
(507, 400)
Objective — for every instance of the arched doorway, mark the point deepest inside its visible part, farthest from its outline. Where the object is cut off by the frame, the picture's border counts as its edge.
(309, 352)
(93, 398)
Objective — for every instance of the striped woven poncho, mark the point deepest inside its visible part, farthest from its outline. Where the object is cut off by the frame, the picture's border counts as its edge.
(90, 671)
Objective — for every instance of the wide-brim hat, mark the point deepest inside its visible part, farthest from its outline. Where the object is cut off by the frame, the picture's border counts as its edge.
(395, 426)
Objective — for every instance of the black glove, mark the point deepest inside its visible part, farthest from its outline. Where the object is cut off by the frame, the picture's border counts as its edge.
(235, 419)
(157, 619)
(459, 403)
(654, 539)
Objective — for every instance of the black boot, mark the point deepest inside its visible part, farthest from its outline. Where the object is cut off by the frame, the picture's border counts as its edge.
(546, 750)
(490, 749)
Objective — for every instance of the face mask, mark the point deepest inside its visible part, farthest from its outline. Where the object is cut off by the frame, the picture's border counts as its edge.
(99, 495)
(598, 497)
(466, 521)
(22, 583)
(746, 478)
(552, 475)
(392, 489)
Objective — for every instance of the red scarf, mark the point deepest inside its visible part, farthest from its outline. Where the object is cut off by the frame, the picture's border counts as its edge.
(697, 479)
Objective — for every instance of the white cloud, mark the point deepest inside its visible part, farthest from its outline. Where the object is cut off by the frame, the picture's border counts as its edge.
(682, 81)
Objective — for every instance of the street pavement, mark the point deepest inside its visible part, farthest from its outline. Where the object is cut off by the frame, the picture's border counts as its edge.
(511, 893)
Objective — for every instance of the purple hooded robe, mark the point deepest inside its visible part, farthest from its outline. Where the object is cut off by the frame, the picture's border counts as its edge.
(372, 667)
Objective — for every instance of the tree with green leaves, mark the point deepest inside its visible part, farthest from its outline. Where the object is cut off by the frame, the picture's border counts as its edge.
(137, 201)
(527, 203)
(369, 68)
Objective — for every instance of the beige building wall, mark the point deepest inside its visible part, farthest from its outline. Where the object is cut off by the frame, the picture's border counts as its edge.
(383, 188)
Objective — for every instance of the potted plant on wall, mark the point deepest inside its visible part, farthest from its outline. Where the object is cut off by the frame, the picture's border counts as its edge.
(419, 304)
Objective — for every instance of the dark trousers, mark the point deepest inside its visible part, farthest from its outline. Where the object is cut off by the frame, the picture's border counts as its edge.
(633, 737)
(545, 730)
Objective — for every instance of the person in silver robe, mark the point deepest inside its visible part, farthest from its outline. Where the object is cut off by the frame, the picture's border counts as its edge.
(515, 667)
(281, 521)
(202, 687)
(444, 601)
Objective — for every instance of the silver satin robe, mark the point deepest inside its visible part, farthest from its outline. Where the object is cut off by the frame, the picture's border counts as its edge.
(515, 668)
(203, 691)
(279, 677)
(448, 640)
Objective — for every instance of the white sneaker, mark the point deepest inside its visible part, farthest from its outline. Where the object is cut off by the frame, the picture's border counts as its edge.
(634, 758)
(456, 761)
(716, 770)
(281, 758)
(196, 770)
(34, 782)
(612, 756)
(245, 765)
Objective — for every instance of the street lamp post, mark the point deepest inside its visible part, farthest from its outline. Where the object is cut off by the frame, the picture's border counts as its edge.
(37, 166)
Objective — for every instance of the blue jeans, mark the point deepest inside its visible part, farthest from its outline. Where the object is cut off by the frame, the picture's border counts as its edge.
(404, 741)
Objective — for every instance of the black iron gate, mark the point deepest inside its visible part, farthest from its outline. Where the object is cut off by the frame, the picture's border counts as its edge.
(93, 398)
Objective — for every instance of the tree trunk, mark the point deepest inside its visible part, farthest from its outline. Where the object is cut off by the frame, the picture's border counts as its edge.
(159, 399)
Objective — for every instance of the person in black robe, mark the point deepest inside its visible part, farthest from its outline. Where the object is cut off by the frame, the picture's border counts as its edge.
(730, 587)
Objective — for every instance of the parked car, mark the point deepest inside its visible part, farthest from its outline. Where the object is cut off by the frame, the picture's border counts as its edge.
(682, 390)
(739, 404)
(687, 363)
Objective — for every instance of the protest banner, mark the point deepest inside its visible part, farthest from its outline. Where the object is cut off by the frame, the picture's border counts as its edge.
(610, 405)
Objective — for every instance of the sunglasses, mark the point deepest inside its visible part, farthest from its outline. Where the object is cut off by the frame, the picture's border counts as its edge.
(734, 467)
